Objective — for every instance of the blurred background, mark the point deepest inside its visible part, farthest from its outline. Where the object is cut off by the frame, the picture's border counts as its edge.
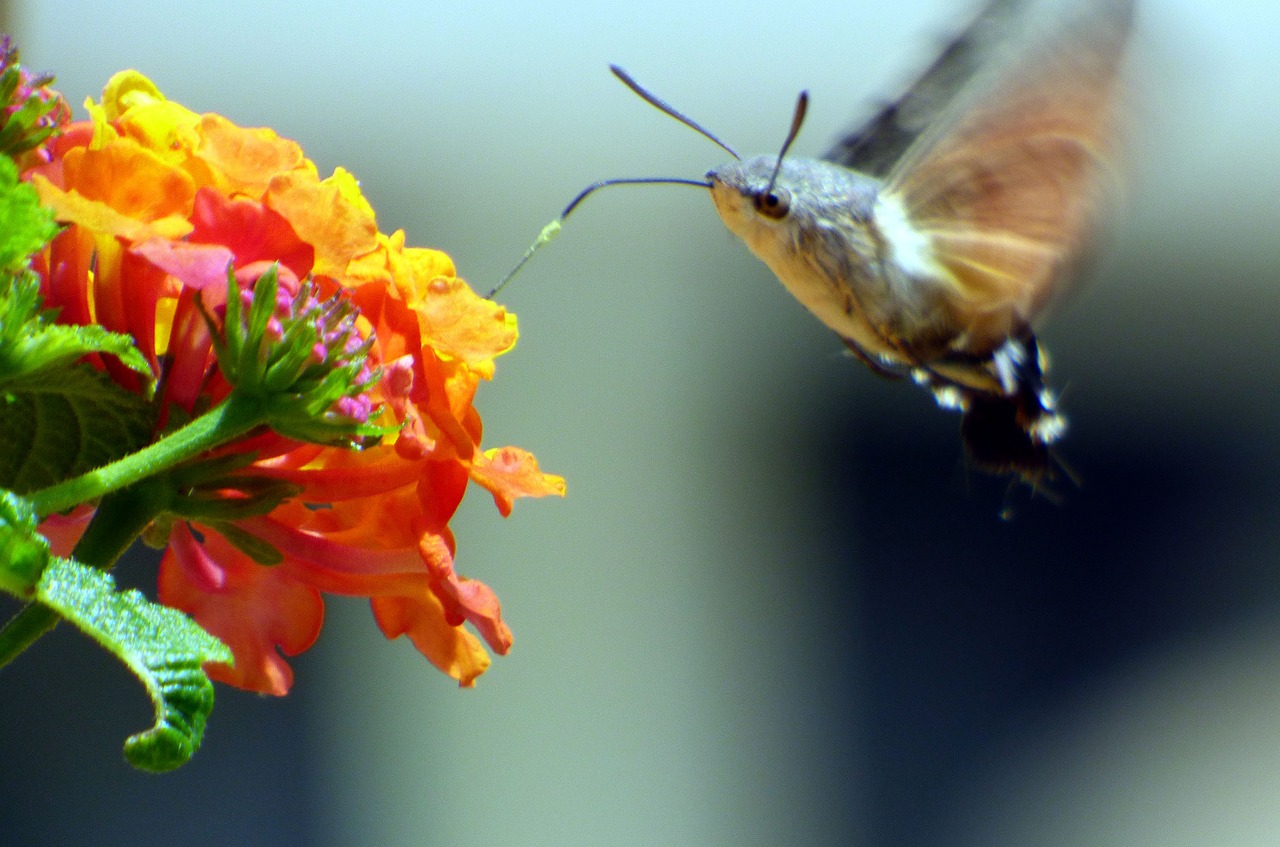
(775, 609)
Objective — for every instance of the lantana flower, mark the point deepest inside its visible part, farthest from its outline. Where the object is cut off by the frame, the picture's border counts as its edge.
(162, 207)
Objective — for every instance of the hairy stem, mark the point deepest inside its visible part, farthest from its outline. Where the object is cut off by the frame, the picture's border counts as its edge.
(233, 418)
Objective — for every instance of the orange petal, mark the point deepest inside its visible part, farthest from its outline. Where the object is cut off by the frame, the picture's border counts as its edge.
(427, 264)
(335, 475)
(71, 207)
(460, 324)
(130, 179)
(324, 214)
(257, 611)
(452, 649)
(462, 599)
(509, 472)
(249, 157)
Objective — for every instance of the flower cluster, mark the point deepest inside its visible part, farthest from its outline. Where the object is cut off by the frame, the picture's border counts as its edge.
(31, 112)
(160, 205)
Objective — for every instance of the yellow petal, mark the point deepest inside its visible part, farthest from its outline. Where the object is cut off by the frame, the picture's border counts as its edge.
(125, 90)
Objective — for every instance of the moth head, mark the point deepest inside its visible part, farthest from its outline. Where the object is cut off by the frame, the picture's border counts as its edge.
(758, 199)
(754, 194)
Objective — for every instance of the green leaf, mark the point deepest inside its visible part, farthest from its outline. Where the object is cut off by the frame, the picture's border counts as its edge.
(24, 552)
(162, 646)
(212, 489)
(239, 498)
(30, 342)
(62, 422)
(25, 225)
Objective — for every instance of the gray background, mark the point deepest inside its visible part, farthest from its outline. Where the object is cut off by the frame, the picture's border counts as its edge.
(774, 609)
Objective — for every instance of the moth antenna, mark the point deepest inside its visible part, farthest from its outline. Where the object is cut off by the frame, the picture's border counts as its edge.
(667, 109)
(802, 106)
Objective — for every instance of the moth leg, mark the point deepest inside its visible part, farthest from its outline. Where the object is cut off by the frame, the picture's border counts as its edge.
(866, 359)
(925, 373)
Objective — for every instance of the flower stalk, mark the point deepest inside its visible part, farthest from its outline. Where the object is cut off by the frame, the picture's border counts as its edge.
(233, 418)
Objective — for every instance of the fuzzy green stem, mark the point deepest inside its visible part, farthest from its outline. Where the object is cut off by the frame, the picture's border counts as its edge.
(234, 417)
(119, 520)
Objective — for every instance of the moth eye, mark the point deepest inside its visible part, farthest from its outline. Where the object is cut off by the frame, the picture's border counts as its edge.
(774, 204)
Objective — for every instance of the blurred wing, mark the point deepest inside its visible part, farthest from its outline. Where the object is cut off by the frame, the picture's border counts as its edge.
(874, 148)
(1004, 187)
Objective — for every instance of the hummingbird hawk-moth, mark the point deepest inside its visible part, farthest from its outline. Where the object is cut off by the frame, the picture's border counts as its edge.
(935, 238)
